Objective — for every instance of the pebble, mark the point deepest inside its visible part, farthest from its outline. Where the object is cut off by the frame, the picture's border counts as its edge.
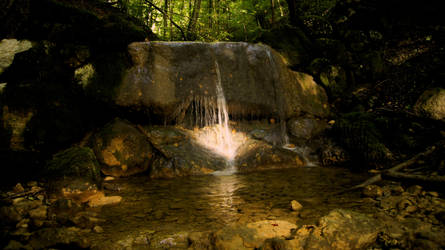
(416, 189)
(109, 178)
(98, 229)
(295, 205)
(411, 209)
(433, 194)
(39, 213)
(18, 188)
(372, 191)
(31, 183)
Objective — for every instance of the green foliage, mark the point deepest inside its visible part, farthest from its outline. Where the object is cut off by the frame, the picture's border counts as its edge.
(217, 20)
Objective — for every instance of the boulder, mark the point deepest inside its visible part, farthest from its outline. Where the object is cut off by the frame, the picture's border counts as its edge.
(179, 154)
(16, 121)
(73, 167)
(305, 128)
(431, 104)
(122, 149)
(256, 155)
(8, 49)
(73, 173)
(252, 235)
(340, 229)
(171, 78)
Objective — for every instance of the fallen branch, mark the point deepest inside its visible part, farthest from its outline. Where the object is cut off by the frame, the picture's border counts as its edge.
(33, 191)
(393, 171)
(435, 181)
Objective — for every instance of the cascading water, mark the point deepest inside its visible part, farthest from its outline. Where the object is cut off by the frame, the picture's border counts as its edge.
(217, 136)
(283, 134)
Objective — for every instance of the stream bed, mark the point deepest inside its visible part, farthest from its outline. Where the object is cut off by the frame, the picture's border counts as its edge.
(203, 203)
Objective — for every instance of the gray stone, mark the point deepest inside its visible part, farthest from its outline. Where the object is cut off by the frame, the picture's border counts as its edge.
(39, 213)
(305, 128)
(343, 229)
(122, 149)
(98, 229)
(295, 205)
(431, 104)
(9, 48)
(372, 191)
(168, 76)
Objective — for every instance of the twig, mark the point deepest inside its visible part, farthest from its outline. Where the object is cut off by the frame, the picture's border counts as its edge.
(31, 192)
(392, 171)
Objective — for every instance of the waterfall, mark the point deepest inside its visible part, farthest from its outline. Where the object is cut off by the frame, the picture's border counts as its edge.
(279, 102)
(217, 136)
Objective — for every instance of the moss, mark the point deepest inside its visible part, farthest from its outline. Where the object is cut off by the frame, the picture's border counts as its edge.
(291, 42)
(110, 69)
(74, 162)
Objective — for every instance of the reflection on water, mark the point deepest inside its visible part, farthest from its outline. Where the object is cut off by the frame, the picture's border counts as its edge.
(222, 192)
(204, 203)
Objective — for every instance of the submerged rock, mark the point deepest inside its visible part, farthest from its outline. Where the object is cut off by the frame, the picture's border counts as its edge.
(122, 149)
(295, 205)
(252, 235)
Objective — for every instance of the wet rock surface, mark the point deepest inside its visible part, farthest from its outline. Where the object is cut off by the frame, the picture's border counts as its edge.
(169, 77)
(122, 149)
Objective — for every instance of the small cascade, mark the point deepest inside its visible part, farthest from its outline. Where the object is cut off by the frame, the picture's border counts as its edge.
(217, 136)
(283, 130)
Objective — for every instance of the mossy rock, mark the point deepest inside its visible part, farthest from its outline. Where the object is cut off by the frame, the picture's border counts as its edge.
(291, 42)
(74, 163)
(122, 149)
(359, 133)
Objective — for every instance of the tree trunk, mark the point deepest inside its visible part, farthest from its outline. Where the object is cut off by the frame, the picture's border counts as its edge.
(272, 10)
(210, 13)
(191, 29)
(170, 11)
(164, 19)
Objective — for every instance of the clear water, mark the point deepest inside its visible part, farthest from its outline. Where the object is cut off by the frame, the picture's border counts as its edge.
(204, 203)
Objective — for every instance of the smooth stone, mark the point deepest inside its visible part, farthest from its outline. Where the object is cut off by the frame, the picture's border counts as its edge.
(295, 205)
(372, 191)
(98, 229)
(18, 188)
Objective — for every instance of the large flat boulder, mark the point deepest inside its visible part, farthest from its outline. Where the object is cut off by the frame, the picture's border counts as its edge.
(173, 78)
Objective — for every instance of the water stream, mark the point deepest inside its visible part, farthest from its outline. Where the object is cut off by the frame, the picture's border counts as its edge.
(217, 136)
(203, 203)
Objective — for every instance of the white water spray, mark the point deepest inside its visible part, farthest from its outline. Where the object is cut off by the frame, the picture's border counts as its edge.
(217, 136)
